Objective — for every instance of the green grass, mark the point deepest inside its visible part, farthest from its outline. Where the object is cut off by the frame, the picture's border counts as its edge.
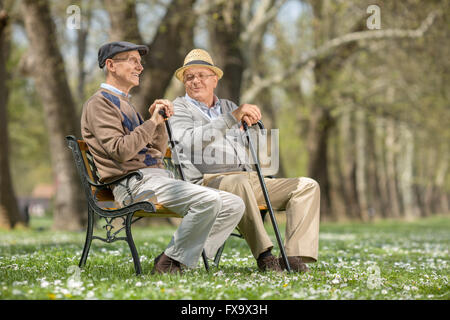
(382, 260)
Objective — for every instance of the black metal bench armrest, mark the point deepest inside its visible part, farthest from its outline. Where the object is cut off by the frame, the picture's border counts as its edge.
(129, 175)
(118, 212)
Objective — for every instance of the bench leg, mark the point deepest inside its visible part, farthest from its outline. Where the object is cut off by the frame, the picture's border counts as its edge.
(220, 251)
(219, 255)
(134, 253)
(87, 243)
(205, 260)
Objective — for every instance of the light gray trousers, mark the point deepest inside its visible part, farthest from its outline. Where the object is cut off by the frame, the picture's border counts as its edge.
(209, 215)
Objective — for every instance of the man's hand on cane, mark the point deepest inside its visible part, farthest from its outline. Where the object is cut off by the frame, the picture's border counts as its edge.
(249, 113)
(160, 104)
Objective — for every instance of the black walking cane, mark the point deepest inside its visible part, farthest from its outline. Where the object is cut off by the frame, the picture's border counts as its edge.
(178, 166)
(266, 195)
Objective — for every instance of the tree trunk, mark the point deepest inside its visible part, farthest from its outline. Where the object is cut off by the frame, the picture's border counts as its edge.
(82, 35)
(376, 199)
(173, 40)
(406, 173)
(441, 197)
(361, 164)
(347, 164)
(62, 120)
(428, 198)
(226, 50)
(421, 172)
(338, 195)
(391, 169)
(380, 151)
(123, 19)
(436, 181)
(9, 211)
(320, 124)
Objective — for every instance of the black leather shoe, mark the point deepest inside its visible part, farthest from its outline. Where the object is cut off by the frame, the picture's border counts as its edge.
(296, 263)
(165, 264)
(269, 263)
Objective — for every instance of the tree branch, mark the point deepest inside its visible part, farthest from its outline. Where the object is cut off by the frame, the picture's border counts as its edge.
(207, 7)
(266, 12)
(326, 49)
(120, 11)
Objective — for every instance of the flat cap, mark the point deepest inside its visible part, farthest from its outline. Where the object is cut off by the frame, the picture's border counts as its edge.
(109, 50)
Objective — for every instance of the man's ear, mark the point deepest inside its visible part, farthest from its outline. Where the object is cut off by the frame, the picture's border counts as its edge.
(109, 65)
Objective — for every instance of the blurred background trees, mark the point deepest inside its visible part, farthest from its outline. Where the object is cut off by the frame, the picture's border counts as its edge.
(365, 112)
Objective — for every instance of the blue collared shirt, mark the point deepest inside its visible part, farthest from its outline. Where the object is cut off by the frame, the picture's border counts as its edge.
(214, 112)
(115, 90)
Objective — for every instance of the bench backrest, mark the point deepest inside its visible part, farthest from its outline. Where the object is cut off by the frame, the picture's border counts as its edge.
(86, 169)
(101, 195)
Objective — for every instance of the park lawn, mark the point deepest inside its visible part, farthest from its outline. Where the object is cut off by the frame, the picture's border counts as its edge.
(380, 260)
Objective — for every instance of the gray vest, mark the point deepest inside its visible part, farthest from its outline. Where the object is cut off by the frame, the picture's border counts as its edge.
(205, 145)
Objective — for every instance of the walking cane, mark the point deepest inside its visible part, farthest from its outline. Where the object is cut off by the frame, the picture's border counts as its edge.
(265, 193)
(178, 166)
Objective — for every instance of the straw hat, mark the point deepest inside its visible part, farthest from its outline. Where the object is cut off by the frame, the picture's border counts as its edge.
(198, 58)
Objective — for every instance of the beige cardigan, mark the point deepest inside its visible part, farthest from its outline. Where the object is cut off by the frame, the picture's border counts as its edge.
(118, 138)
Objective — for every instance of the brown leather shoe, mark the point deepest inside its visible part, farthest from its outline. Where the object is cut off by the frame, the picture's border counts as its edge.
(165, 264)
(269, 263)
(296, 263)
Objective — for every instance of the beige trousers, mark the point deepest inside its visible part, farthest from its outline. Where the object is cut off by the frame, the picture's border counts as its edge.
(209, 215)
(299, 197)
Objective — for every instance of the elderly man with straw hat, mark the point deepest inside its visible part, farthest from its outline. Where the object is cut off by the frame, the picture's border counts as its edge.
(121, 141)
(207, 130)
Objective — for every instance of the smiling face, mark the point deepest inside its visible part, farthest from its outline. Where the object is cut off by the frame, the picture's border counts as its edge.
(200, 83)
(124, 70)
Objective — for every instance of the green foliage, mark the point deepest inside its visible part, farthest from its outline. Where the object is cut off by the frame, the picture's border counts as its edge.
(411, 260)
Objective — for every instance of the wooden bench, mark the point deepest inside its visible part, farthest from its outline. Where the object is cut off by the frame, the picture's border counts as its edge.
(101, 203)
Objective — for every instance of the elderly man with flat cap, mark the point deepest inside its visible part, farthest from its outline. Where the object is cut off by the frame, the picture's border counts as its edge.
(202, 125)
(121, 141)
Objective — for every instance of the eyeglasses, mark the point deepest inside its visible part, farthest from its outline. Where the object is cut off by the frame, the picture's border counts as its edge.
(133, 60)
(200, 76)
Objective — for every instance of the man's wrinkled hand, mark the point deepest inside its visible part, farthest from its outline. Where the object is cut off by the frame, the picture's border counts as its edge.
(164, 104)
(160, 104)
(248, 113)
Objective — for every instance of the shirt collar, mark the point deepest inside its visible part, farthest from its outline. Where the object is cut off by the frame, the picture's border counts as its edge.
(115, 90)
(201, 105)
